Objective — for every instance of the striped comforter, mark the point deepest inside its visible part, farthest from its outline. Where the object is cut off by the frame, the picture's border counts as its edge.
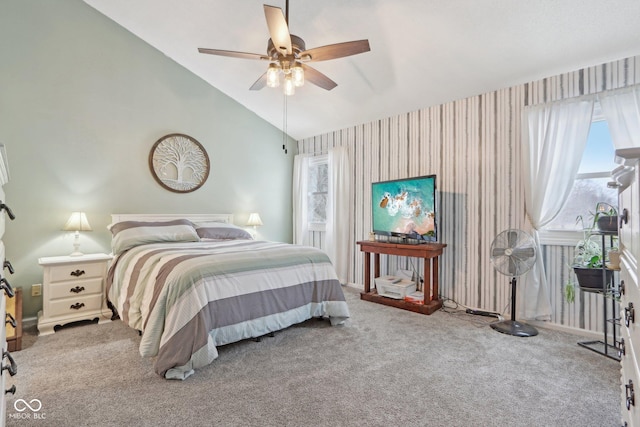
(188, 298)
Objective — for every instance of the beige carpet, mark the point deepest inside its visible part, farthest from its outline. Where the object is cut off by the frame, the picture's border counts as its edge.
(386, 367)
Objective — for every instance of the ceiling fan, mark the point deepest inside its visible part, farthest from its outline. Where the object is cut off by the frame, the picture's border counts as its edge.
(287, 55)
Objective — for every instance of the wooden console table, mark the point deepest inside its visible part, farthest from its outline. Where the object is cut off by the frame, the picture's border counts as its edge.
(429, 252)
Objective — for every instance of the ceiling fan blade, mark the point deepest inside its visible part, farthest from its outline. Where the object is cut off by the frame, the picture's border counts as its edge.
(338, 50)
(232, 53)
(278, 29)
(260, 83)
(317, 78)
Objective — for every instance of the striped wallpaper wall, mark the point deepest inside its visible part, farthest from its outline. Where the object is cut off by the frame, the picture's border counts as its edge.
(473, 146)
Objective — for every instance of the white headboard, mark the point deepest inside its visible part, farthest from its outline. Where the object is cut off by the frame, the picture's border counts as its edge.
(168, 217)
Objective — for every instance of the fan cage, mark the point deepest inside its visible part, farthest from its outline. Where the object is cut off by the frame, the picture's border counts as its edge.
(513, 252)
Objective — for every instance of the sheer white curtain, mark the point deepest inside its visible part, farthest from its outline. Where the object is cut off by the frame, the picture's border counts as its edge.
(621, 108)
(339, 216)
(554, 138)
(300, 174)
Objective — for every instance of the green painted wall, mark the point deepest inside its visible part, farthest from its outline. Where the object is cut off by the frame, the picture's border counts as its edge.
(82, 101)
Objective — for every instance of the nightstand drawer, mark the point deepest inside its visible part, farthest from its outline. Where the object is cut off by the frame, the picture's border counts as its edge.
(70, 289)
(82, 271)
(73, 306)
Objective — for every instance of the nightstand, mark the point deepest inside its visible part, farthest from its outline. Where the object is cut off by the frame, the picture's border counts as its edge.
(73, 289)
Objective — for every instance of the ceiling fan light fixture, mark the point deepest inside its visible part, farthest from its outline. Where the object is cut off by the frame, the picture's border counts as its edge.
(298, 75)
(273, 76)
(288, 55)
(289, 85)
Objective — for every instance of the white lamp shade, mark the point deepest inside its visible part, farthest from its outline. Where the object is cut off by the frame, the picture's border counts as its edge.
(77, 222)
(254, 219)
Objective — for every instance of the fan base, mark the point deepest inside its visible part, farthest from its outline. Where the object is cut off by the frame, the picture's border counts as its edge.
(515, 328)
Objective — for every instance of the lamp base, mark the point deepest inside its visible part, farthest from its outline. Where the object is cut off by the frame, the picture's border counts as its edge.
(76, 246)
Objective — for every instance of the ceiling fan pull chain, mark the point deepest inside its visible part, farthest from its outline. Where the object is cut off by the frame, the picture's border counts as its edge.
(284, 124)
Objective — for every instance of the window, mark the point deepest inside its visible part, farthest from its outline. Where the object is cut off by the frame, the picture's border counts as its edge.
(590, 186)
(318, 190)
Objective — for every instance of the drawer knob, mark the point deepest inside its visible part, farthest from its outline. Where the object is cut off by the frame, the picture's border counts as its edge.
(7, 287)
(12, 367)
(77, 306)
(8, 266)
(77, 289)
(77, 273)
(629, 314)
(630, 395)
(6, 208)
(621, 348)
(10, 320)
(11, 390)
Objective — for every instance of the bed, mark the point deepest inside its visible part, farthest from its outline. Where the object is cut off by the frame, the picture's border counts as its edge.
(191, 283)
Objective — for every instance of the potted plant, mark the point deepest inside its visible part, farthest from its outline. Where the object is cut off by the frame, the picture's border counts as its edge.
(587, 266)
(588, 257)
(588, 260)
(590, 275)
(606, 217)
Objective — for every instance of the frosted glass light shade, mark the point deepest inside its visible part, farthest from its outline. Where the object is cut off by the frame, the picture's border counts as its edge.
(289, 86)
(298, 75)
(273, 76)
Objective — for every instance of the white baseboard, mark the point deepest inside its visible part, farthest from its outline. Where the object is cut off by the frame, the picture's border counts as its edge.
(569, 329)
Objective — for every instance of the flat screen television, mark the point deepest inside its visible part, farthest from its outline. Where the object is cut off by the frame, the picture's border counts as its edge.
(405, 208)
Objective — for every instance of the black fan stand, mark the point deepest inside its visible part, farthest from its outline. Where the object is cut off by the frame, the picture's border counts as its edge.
(513, 327)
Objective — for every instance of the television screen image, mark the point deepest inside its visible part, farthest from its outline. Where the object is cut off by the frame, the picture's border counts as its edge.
(405, 208)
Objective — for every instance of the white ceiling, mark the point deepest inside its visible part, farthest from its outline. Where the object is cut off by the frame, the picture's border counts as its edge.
(423, 52)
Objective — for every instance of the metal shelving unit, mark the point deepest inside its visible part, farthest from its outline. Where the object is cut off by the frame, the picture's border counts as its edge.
(606, 347)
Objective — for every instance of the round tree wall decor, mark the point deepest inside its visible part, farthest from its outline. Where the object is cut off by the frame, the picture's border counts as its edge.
(179, 163)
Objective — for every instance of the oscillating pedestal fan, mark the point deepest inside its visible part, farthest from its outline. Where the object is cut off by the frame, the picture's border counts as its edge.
(513, 253)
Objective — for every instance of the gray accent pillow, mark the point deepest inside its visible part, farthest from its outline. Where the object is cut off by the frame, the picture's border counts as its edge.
(221, 231)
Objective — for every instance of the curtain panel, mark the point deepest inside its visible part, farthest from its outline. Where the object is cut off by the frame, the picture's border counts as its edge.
(339, 212)
(300, 224)
(554, 138)
(621, 108)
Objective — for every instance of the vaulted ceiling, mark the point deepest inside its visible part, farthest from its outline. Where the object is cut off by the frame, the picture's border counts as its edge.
(423, 52)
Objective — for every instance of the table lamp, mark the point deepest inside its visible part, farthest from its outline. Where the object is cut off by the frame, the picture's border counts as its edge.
(77, 222)
(254, 220)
